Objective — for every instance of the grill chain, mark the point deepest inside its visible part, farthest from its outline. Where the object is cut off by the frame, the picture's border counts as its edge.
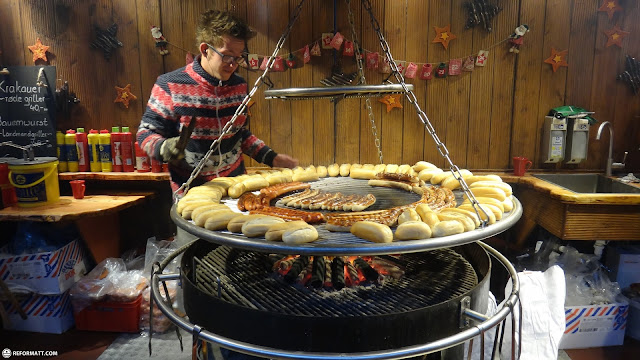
(411, 97)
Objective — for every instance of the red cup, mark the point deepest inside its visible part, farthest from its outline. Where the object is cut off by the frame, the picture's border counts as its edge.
(520, 165)
(77, 187)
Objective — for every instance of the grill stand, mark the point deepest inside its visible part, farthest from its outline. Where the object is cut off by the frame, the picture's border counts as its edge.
(498, 321)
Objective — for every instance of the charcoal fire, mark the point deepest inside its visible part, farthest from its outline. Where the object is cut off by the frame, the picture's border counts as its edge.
(337, 273)
(318, 272)
(296, 268)
(369, 273)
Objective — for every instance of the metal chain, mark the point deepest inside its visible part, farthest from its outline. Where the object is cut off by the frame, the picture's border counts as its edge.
(240, 110)
(411, 97)
(363, 80)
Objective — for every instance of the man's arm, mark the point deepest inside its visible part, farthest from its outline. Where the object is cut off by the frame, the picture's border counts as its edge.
(260, 152)
(158, 123)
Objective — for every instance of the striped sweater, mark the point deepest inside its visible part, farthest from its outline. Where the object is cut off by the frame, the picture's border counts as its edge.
(191, 92)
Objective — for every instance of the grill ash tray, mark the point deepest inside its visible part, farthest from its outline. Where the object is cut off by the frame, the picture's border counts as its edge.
(344, 243)
(239, 295)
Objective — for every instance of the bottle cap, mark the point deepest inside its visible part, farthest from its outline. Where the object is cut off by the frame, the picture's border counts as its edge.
(93, 131)
(104, 131)
(71, 131)
(115, 129)
(80, 130)
(125, 129)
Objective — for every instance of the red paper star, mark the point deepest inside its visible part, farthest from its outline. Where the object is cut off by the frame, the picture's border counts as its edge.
(124, 95)
(392, 101)
(610, 7)
(443, 35)
(557, 59)
(39, 51)
(615, 36)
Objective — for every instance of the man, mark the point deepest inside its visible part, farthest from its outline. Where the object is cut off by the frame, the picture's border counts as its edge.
(210, 91)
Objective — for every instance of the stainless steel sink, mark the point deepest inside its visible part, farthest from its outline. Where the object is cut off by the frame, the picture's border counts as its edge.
(589, 183)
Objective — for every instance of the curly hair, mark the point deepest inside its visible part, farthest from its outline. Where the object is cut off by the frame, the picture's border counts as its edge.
(214, 24)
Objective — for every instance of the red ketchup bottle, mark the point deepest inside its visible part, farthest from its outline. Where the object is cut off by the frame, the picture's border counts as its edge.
(83, 150)
(142, 160)
(127, 150)
(116, 149)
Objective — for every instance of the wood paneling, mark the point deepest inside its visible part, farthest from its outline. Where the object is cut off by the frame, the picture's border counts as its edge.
(483, 117)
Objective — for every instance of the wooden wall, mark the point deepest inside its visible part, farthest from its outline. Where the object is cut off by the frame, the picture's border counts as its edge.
(483, 117)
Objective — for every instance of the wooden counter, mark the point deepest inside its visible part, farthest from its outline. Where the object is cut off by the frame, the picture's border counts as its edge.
(97, 218)
(143, 176)
(69, 208)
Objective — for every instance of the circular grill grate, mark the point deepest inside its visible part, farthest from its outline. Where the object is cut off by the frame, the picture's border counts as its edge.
(239, 277)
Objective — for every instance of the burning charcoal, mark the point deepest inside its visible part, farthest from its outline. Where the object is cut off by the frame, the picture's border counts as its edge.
(353, 274)
(286, 263)
(337, 273)
(305, 274)
(269, 261)
(327, 274)
(296, 268)
(318, 272)
(369, 273)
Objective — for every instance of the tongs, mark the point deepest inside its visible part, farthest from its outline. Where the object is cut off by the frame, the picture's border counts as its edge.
(185, 135)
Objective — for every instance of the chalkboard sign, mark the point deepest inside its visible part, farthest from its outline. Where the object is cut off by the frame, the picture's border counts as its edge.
(27, 109)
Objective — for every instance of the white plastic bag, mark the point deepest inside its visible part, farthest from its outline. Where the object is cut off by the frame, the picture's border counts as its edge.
(542, 296)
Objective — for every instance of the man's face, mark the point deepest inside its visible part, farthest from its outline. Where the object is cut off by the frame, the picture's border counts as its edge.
(213, 64)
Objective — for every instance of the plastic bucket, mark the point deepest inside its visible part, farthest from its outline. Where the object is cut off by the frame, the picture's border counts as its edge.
(36, 181)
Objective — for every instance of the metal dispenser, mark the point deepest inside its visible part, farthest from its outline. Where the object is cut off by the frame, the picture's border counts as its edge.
(577, 139)
(554, 139)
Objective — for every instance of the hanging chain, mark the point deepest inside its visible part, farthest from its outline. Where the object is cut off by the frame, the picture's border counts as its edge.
(411, 97)
(363, 80)
(240, 110)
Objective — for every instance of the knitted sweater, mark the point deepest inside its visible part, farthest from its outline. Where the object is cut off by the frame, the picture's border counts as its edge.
(191, 92)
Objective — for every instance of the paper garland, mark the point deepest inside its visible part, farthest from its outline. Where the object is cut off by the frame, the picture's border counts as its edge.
(372, 60)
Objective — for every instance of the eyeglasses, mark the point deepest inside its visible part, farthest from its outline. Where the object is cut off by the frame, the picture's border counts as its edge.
(228, 59)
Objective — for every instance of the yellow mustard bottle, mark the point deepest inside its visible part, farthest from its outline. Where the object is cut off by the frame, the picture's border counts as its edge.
(94, 150)
(105, 150)
(62, 152)
(72, 150)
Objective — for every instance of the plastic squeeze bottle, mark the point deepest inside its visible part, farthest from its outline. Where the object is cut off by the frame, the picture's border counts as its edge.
(72, 150)
(94, 151)
(105, 150)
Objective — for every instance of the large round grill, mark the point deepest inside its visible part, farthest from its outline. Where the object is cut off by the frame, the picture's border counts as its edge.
(231, 292)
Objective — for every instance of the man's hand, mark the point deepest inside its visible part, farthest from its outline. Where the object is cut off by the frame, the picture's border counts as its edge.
(285, 161)
(169, 150)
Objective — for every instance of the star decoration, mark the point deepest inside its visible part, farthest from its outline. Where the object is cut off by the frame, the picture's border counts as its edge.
(444, 35)
(610, 7)
(557, 59)
(124, 95)
(39, 51)
(106, 40)
(615, 36)
(392, 101)
(480, 12)
(631, 76)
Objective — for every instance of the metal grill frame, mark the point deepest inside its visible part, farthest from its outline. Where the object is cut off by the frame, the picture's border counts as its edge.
(482, 325)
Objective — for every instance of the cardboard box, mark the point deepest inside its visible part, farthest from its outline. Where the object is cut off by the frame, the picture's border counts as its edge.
(45, 313)
(594, 325)
(624, 262)
(51, 272)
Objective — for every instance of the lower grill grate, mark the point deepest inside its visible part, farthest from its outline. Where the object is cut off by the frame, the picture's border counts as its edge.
(242, 278)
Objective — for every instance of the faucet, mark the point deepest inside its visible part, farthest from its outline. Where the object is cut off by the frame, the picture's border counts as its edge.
(610, 163)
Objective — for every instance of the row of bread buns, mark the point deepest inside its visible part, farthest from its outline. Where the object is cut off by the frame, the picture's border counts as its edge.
(493, 197)
(258, 225)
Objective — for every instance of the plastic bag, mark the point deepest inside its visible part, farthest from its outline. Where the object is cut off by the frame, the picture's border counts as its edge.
(587, 282)
(157, 251)
(108, 281)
